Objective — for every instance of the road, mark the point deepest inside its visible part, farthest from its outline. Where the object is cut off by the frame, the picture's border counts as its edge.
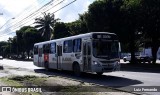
(118, 80)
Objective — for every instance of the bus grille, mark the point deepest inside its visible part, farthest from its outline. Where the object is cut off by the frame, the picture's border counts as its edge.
(107, 62)
(106, 69)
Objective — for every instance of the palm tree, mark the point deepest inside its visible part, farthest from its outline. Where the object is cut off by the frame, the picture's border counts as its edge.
(45, 25)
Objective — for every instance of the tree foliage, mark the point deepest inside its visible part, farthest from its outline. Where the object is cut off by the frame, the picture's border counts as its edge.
(26, 37)
(134, 21)
(45, 25)
(61, 30)
(150, 14)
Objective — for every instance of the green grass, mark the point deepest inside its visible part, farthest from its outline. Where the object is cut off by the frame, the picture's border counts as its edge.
(9, 82)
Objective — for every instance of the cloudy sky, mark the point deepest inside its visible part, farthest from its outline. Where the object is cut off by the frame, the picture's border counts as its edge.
(17, 13)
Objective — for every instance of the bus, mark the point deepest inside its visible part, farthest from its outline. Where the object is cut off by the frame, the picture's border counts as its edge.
(95, 52)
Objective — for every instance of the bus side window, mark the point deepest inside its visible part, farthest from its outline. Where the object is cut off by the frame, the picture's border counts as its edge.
(67, 46)
(77, 45)
(46, 48)
(40, 52)
(53, 48)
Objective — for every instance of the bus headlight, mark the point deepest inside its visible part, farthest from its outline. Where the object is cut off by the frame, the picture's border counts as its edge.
(96, 63)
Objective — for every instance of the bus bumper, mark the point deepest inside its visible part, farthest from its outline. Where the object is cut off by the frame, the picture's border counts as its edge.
(106, 68)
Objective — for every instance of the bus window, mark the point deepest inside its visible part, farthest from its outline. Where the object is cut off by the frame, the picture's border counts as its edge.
(77, 45)
(105, 49)
(46, 48)
(40, 52)
(67, 46)
(53, 48)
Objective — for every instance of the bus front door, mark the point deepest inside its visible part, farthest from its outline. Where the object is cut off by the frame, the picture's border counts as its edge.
(59, 56)
(87, 56)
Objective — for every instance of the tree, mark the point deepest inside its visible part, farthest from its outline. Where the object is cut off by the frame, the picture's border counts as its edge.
(3, 48)
(14, 45)
(130, 15)
(75, 27)
(26, 37)
(97, 19)
(82, 19)
(10, 47)
(150, 10)
(61, 30)
(117, 16)
(45, 25)
(20, 40)
(30, 37)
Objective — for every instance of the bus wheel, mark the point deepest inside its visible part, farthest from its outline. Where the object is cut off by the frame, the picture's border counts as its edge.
(46, 66)
(76, 70)
(99, 73)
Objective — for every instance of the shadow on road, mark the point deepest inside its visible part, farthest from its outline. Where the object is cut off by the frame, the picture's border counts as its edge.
(27, 60)
(105, 80)
(142, 67)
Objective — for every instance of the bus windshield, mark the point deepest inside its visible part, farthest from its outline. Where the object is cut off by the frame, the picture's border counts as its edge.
(105, 49)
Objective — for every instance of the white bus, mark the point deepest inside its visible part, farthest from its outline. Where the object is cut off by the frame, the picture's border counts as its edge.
(91, 52)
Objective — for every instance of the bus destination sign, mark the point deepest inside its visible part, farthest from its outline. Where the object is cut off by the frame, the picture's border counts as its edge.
(104, 36)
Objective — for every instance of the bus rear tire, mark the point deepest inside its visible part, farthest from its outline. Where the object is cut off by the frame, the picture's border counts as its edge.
(99, 73)
(76, 69)
(46, 66)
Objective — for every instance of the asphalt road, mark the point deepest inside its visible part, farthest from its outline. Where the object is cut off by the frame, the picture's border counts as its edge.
(120, 79)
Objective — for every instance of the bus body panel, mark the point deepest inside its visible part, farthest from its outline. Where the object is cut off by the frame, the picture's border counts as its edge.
(40, 56)
(52, 61)
(35, 56)
(67, 61)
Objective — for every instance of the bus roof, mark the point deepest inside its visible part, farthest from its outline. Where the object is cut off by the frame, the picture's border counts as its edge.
(75, 36)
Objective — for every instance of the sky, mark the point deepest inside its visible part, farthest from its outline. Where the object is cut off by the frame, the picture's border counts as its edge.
(17, 13)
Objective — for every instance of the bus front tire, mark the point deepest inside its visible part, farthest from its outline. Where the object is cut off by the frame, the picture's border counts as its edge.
(76, 69)
(99, 73)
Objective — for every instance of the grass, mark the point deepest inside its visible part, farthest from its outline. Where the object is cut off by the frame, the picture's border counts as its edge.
(9, 82)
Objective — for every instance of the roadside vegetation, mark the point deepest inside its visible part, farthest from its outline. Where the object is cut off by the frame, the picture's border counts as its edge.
(136, 22)
(51, 84)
